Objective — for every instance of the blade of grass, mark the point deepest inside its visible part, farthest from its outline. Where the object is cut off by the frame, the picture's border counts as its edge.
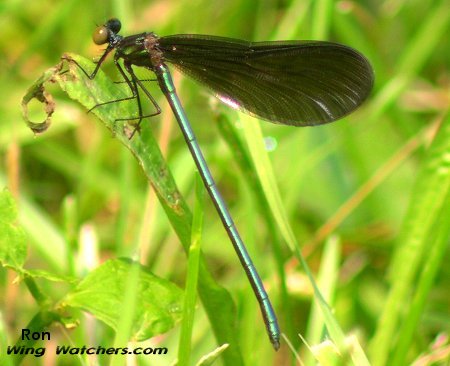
(441, 234)
(47, 239)
(184, 349)
(254, 138)
(7, 361)
(292, 19)
(210, 358)
(369, 186)
(327, 280)
(321, 19)
(416, 53)
(427, 200)
(244, 161)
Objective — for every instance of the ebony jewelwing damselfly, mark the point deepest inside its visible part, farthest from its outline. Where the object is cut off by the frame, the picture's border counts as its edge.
(297, 83)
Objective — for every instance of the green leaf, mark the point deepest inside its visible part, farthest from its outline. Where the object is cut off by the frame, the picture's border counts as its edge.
(158, 303)
(49, 276)
(13, 248)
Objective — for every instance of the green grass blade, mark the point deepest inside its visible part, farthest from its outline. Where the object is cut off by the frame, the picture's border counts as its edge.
(245, 163)
(417, 52)
(327, 281)
(190, 296)
(426, 205)
(7, 361)
(321, 15)
(432, 264)
(263, 167)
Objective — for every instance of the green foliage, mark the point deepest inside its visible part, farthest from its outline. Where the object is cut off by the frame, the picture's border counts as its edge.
(158, 302)
(101, 292)
(13, 249)
(365, 200)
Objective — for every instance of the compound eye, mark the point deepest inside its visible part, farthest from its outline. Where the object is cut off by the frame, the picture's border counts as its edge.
(101, 35)
(114, 24)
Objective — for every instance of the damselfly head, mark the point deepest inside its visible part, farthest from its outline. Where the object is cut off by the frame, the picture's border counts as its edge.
(104, 33)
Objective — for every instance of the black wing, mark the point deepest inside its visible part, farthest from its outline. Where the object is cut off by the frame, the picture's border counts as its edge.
(297, 83)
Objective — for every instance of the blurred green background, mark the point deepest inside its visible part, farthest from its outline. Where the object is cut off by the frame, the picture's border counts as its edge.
(368, 181)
